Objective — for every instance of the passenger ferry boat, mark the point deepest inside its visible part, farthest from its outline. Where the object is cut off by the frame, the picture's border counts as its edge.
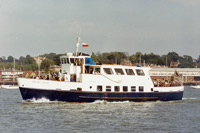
(82, 81)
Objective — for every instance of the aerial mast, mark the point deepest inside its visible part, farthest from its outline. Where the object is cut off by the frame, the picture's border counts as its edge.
(77, 45)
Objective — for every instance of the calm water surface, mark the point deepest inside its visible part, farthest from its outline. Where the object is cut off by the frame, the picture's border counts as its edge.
(50, 117)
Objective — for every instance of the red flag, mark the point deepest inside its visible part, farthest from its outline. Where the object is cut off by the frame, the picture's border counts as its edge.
(85, 44)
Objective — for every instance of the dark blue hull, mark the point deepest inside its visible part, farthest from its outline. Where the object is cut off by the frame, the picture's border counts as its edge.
(81, 96)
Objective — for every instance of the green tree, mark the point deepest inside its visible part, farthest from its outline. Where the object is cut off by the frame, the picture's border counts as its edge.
(1, 60)
(29, 60)
(138, 55)
(10, 59)
(50, 55)
(153, 59)
(56, 59)
(94, 57)
(173, 56)
(186, 62)
(105, 59)
(46, 64)
(133, 59)
(22, 60)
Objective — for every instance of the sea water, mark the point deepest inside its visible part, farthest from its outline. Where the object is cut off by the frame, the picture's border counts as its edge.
(44, 116)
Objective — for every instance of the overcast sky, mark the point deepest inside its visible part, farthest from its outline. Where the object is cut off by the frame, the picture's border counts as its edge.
(42, 26)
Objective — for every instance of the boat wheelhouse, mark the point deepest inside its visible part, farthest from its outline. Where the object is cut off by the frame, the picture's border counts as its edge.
(82, 81)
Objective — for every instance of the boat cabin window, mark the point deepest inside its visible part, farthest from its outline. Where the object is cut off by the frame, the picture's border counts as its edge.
(125, 88)
(141, 88)
(91, 70)
(67, 60)
(97, 71)
(80, 62)
(87, 69)
(130, 72)
(108, 71)
(108, 88)
(140, 72)
(133, 88)
(63, 61)
(75, 62)
(71, 60)
(99, 88)
(117, 88)
(79, 89)
(119, 71)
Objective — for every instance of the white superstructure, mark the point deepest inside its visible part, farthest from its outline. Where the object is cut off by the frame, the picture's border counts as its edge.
(106, 78)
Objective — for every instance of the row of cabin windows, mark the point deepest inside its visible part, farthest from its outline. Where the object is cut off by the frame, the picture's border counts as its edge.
(120, 71)
(117, 88)
(76, 61)
(108, 71)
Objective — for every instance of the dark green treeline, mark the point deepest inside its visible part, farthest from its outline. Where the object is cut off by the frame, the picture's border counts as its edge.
(28, 62)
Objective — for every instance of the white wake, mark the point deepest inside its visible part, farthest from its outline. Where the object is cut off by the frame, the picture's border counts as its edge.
(41, 100)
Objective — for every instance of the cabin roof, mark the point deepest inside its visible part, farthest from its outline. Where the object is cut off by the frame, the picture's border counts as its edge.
(66, 56)
(118, 66)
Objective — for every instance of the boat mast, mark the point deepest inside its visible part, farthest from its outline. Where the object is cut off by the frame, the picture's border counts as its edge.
(77, 45)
